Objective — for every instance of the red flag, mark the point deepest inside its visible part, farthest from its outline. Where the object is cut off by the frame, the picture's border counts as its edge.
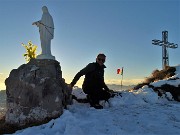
(118, 71)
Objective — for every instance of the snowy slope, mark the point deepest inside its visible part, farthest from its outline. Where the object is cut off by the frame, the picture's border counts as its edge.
(139, 112)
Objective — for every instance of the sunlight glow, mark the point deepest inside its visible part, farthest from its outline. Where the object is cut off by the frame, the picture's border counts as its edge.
(2, 80)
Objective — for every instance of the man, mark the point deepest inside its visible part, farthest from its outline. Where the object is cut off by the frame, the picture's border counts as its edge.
(46, 31)
(94, 85)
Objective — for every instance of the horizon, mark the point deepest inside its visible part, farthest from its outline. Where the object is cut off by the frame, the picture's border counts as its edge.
(122, 30)
(117, 86)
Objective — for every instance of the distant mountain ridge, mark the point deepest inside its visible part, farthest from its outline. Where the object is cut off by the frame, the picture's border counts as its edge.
(2, 97)
(118, 87)
(2, 102)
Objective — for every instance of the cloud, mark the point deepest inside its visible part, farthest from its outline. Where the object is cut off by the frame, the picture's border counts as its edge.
(124, 82)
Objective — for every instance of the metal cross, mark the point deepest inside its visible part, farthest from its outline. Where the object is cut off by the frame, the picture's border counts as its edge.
(165, 45)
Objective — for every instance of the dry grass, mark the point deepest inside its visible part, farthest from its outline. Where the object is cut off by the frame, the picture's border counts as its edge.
(160, 75)
(157, 75)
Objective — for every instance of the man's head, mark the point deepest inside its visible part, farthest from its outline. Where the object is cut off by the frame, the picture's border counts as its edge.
(101, 58)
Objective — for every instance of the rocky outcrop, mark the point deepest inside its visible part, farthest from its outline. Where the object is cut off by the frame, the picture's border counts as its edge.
(36, 91)
(174, 90)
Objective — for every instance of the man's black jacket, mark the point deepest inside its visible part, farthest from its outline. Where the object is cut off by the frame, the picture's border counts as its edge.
(94, 77)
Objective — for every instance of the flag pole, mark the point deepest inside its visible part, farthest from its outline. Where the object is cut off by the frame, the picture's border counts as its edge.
(122, 78)
(118, 72)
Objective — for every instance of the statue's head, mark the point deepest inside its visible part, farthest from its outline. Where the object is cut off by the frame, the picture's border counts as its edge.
(44, 9)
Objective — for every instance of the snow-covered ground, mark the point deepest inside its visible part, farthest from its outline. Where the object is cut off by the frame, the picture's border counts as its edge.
(139, 112)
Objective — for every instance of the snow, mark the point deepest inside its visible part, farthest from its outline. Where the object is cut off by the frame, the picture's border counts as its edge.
(140, 112)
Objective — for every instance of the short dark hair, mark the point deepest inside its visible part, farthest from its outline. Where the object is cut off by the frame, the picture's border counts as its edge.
(101, 54)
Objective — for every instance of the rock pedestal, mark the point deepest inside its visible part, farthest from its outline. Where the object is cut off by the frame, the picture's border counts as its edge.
(42, 56)
(36, 91)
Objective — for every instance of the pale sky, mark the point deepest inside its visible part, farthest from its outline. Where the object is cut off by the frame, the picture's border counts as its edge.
(121, 29)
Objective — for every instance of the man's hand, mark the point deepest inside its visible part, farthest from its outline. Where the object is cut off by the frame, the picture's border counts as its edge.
(70, 86)
(34, 23)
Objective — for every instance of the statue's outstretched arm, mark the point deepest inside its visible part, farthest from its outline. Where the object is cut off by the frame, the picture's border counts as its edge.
(36, 23)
